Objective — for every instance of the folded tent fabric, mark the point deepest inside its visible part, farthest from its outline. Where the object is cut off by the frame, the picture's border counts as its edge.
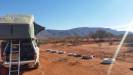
(17, 19)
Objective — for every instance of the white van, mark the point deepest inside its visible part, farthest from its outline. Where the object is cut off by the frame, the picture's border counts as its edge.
(22, 30)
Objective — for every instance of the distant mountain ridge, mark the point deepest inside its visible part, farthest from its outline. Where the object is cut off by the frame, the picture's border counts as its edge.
(81, 31)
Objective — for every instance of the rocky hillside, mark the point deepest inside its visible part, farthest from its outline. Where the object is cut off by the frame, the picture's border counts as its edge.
(81, 31)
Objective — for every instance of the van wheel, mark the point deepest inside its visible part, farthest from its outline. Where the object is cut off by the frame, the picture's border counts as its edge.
(36, 65)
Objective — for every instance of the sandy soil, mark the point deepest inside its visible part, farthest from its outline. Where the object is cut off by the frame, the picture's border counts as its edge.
(61, 64)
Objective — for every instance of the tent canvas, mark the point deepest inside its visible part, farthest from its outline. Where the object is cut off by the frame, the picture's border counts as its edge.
(38, 28)
(18, 27)
(16, 31)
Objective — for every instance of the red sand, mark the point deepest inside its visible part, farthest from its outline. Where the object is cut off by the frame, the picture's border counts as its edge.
(61, 64)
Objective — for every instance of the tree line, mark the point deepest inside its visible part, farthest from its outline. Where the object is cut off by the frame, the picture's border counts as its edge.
(101, 35)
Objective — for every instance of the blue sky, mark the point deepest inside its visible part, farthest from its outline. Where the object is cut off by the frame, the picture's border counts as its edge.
(67, 14)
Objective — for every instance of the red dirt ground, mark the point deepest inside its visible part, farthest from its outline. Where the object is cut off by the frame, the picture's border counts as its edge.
(61, 64)
(55, 64)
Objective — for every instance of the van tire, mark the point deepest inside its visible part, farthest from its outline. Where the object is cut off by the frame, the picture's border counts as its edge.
(36, 66)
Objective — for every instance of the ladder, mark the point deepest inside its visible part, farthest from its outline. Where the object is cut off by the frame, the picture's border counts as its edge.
(14, 57)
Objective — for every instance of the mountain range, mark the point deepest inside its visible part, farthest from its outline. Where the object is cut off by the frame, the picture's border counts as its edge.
(81, 31)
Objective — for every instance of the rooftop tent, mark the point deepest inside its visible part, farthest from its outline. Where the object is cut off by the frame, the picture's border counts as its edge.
(18, 27)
